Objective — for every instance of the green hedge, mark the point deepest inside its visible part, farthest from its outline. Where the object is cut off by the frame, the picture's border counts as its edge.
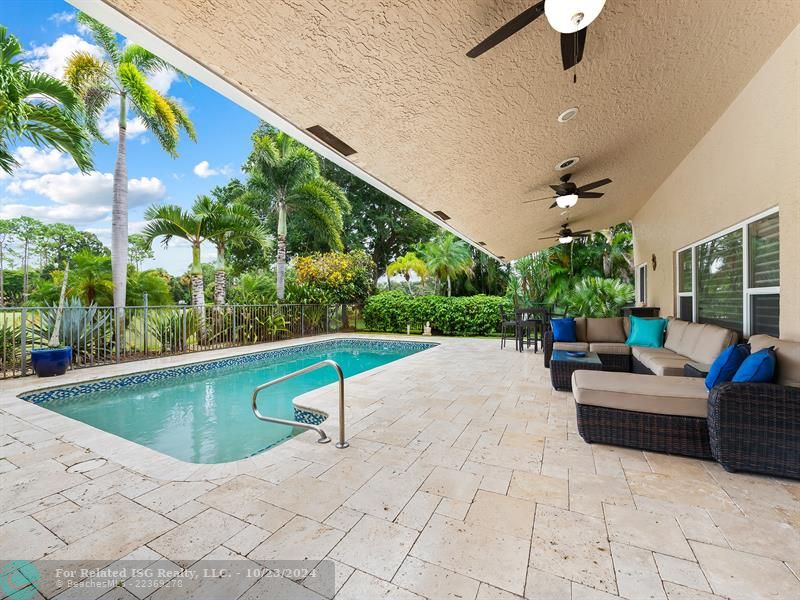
(469, 315)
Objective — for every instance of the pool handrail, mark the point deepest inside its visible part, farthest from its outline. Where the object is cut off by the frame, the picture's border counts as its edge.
(323, 437)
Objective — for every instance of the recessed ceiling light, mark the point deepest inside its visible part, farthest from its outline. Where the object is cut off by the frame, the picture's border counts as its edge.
(567, 163)
(568, 114)
(330, 140)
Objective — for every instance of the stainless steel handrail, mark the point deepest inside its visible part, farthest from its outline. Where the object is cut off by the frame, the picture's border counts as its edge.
(323, 437)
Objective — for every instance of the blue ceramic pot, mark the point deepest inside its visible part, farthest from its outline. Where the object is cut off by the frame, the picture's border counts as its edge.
(48, 362)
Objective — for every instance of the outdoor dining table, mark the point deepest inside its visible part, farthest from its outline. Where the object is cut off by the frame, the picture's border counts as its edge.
(531, 320)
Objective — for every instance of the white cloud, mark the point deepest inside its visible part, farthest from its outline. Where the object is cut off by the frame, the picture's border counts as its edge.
(88, 190)
(33, 161)
(162, 80)
(62, 213)
(61, 18)
(53, 58)
(203, 169)
(109, 126)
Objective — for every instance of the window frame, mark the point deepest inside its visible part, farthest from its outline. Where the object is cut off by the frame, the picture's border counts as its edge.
(640, 284)
(747, 291)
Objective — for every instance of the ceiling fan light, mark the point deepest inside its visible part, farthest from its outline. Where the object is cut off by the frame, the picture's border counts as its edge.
(569, 16)
(565, 239)
(567, 201)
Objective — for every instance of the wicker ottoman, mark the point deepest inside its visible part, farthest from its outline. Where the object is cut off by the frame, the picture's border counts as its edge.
(562, 365)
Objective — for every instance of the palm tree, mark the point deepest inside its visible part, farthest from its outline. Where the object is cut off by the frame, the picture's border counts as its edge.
(447, 257)
(406, 265)
(285, 178)
(38, 108)
(122, 75)
(233, 224)
(90, 278)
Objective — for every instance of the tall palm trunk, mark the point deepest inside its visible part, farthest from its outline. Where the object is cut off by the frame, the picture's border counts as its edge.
(25, 271)
(2, 277)
(220, 277)
(198, 293)
(281, 262)
(119, 225)
(449, 286)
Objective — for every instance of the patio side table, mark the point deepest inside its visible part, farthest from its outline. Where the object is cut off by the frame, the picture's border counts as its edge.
(562, 366)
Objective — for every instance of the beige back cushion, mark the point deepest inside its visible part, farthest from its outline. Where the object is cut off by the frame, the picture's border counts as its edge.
(580, 329)
(605, 330)
(787, 354)
(675, 330)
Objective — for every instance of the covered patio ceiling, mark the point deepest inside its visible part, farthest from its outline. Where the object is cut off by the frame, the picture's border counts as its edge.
(474, 138)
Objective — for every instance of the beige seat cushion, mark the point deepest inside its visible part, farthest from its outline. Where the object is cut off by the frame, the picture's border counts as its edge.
(605, 330)
(641, 353)
(580, 329)
(675, 330)
(666, 366)
(571, 346)
(680, 396)
(610, 348)
(787, 354)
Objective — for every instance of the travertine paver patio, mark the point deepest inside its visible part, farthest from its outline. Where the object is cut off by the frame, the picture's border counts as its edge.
(465, 479)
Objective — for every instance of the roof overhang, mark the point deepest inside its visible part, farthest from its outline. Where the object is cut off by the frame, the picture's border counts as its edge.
(474, 138)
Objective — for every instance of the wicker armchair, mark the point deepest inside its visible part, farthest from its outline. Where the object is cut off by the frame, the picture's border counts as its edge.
(755, 427)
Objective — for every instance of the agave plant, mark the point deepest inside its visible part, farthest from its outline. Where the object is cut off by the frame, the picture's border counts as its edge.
(172, 328)
(598, 297)
(87, 329)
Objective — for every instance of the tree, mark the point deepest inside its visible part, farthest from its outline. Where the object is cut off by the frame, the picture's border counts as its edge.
(447, 257)
(233, 224)
(406, 265)
(489, 276)
(6, 239)
(381, 225)
(285, 179)
(90, 278)
(37, 108)
(153, 282)
(27, 230)
(139, 250)
(122, 74)
(59, 242)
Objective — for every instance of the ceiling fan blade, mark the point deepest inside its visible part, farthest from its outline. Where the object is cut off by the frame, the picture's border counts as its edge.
(554, 204)
(582, 232)
(572, 45)
(594, 184)
(591, 194)
(558, 189)
(550, 237)
(538, 199)
(506, 31)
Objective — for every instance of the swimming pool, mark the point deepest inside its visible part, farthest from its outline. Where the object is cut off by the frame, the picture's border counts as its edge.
(201, 413)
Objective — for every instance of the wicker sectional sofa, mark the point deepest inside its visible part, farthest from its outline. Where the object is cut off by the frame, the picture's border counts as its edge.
(752, 427)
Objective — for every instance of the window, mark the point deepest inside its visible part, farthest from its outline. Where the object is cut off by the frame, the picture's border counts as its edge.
(685, 285)
(641, 284)
(733, 278)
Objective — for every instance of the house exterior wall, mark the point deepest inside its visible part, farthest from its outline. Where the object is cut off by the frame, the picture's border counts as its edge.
(748, 162)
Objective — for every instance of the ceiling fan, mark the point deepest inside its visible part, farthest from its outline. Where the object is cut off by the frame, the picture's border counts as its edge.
(568, 17)
(566, 235)
(567, 193)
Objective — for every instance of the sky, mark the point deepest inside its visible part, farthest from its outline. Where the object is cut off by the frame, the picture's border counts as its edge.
(48, 185)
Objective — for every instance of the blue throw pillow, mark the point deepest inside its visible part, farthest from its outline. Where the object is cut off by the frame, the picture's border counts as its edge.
(726, 364)
(759, 367)
(647, 332)
(564, 330)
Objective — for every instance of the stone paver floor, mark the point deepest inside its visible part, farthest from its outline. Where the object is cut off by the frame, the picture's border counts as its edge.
(465, 479)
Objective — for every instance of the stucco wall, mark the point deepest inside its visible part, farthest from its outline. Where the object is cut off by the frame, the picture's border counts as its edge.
(748, 162)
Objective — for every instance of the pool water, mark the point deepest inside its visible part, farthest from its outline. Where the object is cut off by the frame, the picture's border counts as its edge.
(205, 416)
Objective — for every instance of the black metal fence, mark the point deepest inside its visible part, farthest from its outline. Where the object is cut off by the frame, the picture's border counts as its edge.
(104, 335)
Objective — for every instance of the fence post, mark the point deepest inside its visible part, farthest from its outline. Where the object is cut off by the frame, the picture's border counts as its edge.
(233, 334)
(144, 325)
(302, 320)
(183, 330)
(327, 318)
(117, 341)
(23, 328)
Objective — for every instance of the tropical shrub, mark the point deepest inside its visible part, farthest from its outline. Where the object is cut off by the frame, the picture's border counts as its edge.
(256, 287)
(467, 315)
(598, 297)
(340, 277)
(172, 328)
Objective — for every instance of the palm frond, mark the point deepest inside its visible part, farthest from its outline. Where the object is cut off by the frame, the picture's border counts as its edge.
(133, 82)
(84, 70)
(168, 221)
(144, 60)
(49, 126)
(103, 36)
(55, 90)
(181, 116)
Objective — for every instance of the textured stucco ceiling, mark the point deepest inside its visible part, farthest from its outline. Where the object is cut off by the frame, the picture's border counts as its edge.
(474, 138)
